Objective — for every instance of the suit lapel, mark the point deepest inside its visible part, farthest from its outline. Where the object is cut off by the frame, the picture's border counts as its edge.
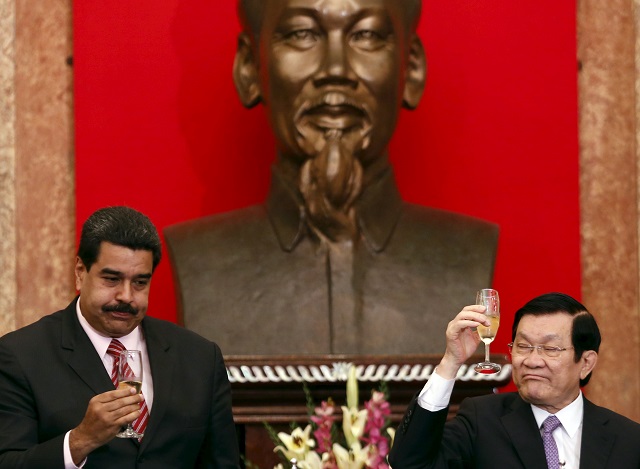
(522, 428)
(82, 356)
(162, 364)
(597, 440)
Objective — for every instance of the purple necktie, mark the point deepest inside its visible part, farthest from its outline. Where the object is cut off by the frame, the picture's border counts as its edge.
(550, 447)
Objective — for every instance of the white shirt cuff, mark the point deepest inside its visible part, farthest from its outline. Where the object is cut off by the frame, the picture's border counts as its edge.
(436, 394)
(68, 461)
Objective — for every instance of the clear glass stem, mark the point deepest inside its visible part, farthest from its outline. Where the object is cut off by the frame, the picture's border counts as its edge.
(486, 353)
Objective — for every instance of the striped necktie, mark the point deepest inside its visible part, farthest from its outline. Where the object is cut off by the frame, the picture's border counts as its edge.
(115, 348)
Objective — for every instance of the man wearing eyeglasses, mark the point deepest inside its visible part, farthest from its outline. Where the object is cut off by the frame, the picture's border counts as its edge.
(548, 423)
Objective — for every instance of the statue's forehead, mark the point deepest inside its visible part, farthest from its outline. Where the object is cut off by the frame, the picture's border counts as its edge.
(333, 6)
(258, 13)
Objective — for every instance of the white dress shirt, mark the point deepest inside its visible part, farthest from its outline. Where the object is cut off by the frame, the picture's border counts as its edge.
(568, 436)
(436, 394)
(133, 341)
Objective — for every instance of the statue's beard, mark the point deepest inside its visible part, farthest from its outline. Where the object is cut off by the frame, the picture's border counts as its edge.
(330, 183)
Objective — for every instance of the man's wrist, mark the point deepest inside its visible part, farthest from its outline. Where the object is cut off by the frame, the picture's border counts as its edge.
(447, 368)
(78, 447)
(69, 462)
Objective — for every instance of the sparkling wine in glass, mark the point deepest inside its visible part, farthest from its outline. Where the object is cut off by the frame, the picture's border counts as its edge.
(130, 375)
(489, 298)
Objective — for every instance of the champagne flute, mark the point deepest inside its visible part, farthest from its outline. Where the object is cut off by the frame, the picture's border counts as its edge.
(130, 375)
(490, 299)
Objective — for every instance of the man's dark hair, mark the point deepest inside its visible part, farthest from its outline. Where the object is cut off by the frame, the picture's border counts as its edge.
(122, 226)
(585, 334)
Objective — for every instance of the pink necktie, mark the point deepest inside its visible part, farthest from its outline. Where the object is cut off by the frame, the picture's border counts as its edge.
(550, 447)
(115, 348)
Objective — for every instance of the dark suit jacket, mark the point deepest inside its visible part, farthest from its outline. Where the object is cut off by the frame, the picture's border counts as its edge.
(500, 431)
(49, 371)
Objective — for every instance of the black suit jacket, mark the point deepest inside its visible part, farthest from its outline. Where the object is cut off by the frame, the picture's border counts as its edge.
(50, 370)
(500, 431)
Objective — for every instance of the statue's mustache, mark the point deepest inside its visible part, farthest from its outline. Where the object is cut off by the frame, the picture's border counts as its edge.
(332, 101)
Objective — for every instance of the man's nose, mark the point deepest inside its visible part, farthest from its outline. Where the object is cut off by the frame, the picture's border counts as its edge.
(125, 292)
(534, 359)
(336, 64)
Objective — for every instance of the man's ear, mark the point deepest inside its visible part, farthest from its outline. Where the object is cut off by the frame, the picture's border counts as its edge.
(80, 272)
(416, 74)
(245, 73)
(589, 360)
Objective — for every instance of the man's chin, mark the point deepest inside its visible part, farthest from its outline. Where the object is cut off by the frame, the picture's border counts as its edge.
(119, 326)
(533, 393)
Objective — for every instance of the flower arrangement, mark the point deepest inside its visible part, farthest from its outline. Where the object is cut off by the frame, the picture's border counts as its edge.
(363, 444)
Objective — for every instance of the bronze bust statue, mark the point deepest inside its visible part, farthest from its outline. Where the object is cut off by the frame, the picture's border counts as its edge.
(334, 261)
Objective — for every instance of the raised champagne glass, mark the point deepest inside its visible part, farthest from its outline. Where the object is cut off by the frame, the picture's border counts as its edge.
(489, 298)
(130, 375)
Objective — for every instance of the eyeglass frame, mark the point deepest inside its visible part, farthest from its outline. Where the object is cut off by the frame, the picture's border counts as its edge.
(541, 349)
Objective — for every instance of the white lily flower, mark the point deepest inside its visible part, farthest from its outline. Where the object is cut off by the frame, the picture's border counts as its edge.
(311, 461)
(296, 445)
(353, 422)
(354, 458)
(392, 434)
(352, 388)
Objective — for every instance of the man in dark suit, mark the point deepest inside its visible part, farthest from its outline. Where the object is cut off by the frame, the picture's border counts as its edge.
(548, 423)
(334, 246)
(58, 405)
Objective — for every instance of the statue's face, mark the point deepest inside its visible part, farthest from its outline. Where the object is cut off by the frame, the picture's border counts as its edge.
(333, 67)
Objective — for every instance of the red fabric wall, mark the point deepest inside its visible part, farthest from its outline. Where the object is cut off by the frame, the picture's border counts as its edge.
(159, 127)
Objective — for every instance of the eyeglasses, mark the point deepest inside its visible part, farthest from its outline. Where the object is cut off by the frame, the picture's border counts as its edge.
(522, 349)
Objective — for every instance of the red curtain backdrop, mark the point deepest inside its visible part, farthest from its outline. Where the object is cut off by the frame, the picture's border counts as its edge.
(159, 127)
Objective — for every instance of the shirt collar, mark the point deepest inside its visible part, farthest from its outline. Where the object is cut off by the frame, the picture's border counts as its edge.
(377, 211)
(570, 416)
(131, 341)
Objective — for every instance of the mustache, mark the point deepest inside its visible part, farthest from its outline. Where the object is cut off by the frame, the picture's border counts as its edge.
(120, 308)
(335, 99)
